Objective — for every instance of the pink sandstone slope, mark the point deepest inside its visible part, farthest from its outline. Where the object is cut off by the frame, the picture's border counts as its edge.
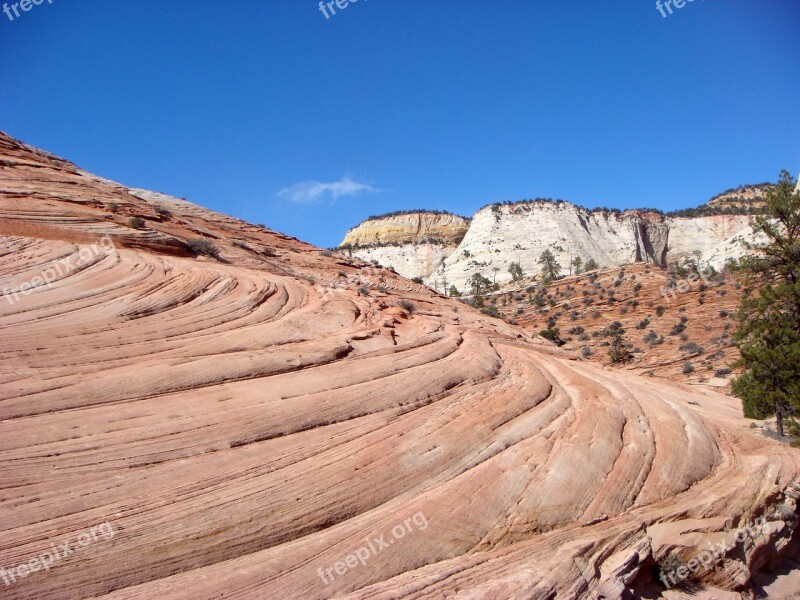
(247, 423)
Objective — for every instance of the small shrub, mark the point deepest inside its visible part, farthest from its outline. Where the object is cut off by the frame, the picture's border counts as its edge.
(643, 324)
(688, 368)
(163, 212)
(678, 329)
(407, 306)
(203, 246)
(586, 352)
(113, 207)
(691, 348)
(491, 311)
(136, 222)
(722, 372)
(552, 334)
(416, 279)
(660, 311)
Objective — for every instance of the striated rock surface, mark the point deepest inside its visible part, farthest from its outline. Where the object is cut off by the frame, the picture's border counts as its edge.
(253, 426)
(712, 240)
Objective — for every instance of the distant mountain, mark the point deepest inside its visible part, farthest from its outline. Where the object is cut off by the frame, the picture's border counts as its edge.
(446, 250)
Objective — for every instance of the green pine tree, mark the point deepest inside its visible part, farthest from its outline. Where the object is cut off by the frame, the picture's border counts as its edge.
(551, 270)
(769, 317)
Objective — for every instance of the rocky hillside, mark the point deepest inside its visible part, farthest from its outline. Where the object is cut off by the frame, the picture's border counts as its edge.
(674, 325)
(519, 232)
(743, 197)
(240, 414)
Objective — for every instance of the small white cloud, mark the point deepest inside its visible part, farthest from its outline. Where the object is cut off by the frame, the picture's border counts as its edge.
(310, 192)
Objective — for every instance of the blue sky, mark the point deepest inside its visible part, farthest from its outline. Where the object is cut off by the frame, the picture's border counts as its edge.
(270, 112)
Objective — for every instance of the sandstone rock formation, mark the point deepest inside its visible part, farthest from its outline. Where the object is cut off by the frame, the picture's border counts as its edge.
(413, 244)
(409, 228)
(248, 424)
(501, 234)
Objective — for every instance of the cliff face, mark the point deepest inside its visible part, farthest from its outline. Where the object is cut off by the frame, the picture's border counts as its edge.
(501, 234)
(713, 240)
(413, 244)
(411, 228)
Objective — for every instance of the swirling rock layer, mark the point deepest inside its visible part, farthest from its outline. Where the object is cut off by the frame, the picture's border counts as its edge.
(246, 424)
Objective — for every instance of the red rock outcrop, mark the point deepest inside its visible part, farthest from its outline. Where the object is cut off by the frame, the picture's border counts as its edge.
(246, 424)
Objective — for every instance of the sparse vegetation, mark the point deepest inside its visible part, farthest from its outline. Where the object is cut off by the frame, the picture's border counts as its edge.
(408, 306)
(202, 246)
(136, 222)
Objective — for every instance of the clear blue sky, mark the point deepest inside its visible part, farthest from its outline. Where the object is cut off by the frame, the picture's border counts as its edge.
(395, 104)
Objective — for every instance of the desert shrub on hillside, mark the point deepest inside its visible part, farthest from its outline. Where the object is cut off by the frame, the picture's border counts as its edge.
(619, 351)
(553, 334)
(678, 329)
(203, 246)
(687, 368)
(660, 311)
(407, 306)
(692, 348)
(491, 311)
(136, 222)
